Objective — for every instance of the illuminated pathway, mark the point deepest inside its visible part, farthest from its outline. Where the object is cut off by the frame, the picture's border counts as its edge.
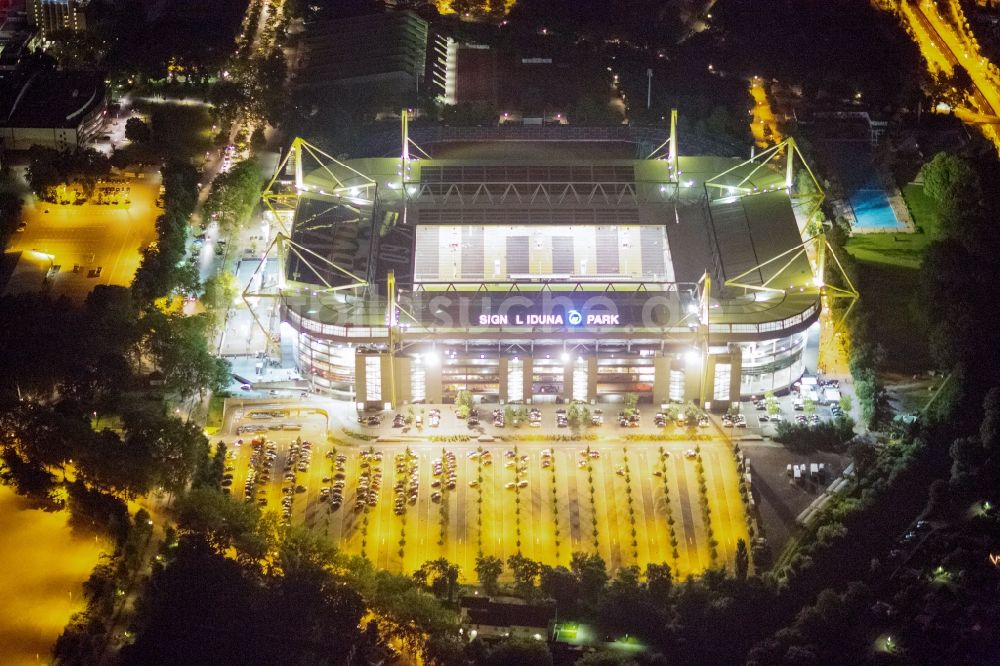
(764, 125)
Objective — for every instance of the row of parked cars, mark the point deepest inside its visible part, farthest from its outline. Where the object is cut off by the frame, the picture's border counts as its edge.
(370, 482)
(444, 471)
(734, 421)
(337, 481)
(299, 457)
(407, 481)
(261, 461)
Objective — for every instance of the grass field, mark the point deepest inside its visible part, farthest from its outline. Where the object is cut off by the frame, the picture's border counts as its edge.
(888, 267)
(900, 250)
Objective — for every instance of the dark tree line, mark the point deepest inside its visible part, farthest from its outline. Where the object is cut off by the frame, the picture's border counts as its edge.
(163, 269)
(239, 587)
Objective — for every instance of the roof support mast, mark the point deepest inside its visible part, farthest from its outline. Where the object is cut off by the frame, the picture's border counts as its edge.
(673, 145)
(405, 155)
(392, 322)
(790, 149)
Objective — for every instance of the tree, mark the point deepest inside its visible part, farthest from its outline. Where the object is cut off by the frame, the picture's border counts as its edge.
(464, 399)
(43, 172)
(221, 522)
(520, 652)
(96, 511)
(771, 403)
(864, 457)
(591, 572)
(82, 641)
(659, 582)
(219, 290)
(466, 7)
(170, 445)
(989, 429)
(605, 658)
(631, 400)
(691, 414)
(440, 576)
(560, 585)
(525, 571)
(469, 114)
(210, 471)
(28, 478)
(234, 195)
(137, 131)
(967, 457)
(949, 178)
(463, 404)
(742, 566)
(10, 216)
(202, 606)
(111, 464)
(488, 571)
(180, 346)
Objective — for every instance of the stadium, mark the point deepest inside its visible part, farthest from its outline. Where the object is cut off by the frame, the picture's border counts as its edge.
(543, 264)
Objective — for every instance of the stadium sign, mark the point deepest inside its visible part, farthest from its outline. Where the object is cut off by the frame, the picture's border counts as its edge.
(572, 318)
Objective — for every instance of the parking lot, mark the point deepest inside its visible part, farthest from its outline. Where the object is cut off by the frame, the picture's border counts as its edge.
(91, 243)
(538, 494)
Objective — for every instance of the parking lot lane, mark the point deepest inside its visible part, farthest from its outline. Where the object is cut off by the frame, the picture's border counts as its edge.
(493, 506)
(607, 537)
(650, 520)
(426, 529)
(579, 507)
(510, 525)
(723, 524)
(729, 489)
(541, 493)
(462, 539)
(387, 530)
(530, 537)
(567, 514)
(614, 502)
(687, 505)
(351, 541)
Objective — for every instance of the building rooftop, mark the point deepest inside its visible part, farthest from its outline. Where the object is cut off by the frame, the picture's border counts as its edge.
(490, 612)
(364, 48)
(49, 98)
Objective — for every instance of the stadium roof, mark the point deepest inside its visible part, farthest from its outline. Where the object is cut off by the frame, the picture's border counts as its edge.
(558, 235)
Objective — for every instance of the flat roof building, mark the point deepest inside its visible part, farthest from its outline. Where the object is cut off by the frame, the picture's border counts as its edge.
(57, 109)
(387, 49)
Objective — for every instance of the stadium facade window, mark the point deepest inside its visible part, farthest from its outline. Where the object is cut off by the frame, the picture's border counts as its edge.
(676, 388)
(580, 380)
(723, 372)
(515, 380)
(418, 382)
(373, 378)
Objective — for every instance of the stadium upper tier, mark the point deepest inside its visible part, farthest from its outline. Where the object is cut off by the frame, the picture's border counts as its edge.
(627, 231)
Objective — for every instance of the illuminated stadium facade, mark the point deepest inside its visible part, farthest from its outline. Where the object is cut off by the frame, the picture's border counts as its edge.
(533, 270)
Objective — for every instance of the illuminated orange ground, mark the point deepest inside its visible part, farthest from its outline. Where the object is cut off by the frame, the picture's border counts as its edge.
(42, 568)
